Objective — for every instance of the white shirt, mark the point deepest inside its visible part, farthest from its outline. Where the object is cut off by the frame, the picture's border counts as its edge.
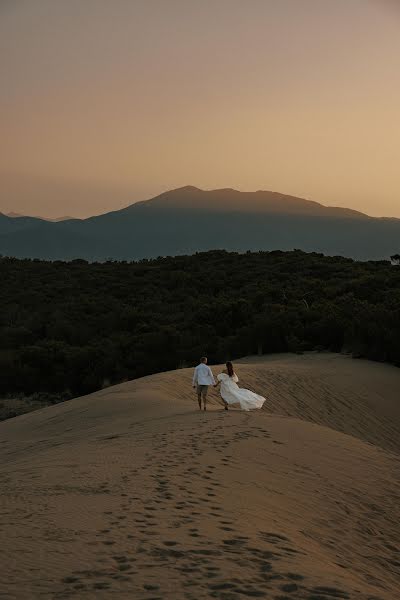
(203, 375)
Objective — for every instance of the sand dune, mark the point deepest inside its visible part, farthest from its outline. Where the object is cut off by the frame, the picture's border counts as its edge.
(133, 493)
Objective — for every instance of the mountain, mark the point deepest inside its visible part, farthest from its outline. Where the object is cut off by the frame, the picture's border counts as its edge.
(132, 493)
(10, 224)
(188, 219)
(15, 215)
(227, 200)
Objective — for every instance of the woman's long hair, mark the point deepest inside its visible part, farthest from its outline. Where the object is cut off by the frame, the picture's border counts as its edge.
(229, 368)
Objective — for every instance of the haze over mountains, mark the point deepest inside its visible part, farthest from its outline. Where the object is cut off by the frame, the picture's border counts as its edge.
(188, 219)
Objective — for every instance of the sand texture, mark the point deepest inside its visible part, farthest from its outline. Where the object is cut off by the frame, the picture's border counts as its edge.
(133, 493)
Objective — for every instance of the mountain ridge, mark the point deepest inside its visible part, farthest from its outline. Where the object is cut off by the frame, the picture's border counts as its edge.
(229, 198)
(265, 200)
(188, 220)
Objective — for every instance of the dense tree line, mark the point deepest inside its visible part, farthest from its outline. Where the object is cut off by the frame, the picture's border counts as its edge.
(70, 328)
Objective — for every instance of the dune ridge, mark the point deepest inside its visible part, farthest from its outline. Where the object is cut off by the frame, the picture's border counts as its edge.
(131, 492)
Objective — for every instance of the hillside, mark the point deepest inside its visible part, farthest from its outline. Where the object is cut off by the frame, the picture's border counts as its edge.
(82, 326)
(133, 493)
(188, 220)
(69, 329)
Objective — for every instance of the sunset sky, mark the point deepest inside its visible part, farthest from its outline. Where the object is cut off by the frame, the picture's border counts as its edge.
(103, 103)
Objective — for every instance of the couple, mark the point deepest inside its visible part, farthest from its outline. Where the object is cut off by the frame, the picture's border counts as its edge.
(231, 393)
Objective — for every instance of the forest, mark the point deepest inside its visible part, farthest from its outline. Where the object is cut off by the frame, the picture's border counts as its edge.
(71, 328)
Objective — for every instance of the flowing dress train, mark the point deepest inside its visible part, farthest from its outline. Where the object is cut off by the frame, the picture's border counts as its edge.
(233, 394)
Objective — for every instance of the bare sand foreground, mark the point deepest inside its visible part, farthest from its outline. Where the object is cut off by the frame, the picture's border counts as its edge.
(133, 493)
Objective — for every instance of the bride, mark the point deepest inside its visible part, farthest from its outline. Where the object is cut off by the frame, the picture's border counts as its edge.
(232, 394)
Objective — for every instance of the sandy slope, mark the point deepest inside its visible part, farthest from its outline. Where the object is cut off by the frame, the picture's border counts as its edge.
(133, 493)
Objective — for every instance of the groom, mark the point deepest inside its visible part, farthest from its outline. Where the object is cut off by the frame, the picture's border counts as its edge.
(202, 378)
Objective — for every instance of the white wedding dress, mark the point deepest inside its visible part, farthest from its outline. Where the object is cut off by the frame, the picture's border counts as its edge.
(233, 394)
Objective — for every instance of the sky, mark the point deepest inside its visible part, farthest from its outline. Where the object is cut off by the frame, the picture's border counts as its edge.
(106, 103)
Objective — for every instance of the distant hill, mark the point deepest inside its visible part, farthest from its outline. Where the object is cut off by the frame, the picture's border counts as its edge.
(15, 215)
(188, 219)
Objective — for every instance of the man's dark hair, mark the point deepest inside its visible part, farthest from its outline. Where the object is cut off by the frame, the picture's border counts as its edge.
(203, 359)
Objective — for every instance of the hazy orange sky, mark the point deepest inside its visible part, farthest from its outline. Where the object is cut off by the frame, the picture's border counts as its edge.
(103, 103)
